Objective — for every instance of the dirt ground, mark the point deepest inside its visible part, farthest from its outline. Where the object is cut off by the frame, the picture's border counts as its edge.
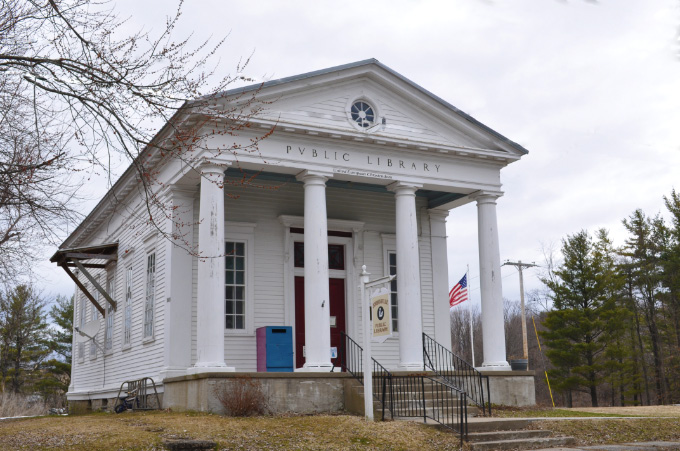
(649, 411)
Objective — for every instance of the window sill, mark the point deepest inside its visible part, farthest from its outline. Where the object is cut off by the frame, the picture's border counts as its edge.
(239, 333)
(126, 347)
(148, 340)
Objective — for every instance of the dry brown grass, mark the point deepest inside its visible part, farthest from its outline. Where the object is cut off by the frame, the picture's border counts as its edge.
(598, 431)
(146, 430)
(14, 405)
(646, 411)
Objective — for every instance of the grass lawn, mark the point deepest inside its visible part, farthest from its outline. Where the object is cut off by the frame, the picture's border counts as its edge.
(548, 412)
(146, 430)
(597, 432)
(647, 411)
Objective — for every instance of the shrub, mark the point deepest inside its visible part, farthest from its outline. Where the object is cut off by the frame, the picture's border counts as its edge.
(242, 397)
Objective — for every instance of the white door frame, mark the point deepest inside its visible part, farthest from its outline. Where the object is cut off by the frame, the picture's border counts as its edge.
(349, 273)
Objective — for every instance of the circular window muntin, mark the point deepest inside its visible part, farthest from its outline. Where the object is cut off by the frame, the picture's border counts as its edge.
(370, 128)
(362, 113)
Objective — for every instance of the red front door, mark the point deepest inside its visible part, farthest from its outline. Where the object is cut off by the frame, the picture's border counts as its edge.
(337, 312)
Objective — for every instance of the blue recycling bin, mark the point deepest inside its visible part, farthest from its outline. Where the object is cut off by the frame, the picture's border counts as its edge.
(274, 349)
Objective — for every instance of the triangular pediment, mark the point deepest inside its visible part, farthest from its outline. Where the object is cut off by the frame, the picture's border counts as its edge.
(404, 111)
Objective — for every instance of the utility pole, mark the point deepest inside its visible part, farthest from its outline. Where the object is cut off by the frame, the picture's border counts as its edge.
(520, 266)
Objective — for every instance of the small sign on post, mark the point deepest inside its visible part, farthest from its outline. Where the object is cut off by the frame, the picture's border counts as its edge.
(381, 317)
(369, 331)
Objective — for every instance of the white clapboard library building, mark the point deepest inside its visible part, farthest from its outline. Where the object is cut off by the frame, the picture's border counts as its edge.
(362, 168)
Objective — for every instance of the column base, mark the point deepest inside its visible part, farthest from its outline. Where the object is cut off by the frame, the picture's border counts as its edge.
(210, 369)
(495, 366)
(319, 368)
(169, 372)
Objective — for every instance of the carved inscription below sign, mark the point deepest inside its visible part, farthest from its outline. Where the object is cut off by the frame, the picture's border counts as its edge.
(362, 173)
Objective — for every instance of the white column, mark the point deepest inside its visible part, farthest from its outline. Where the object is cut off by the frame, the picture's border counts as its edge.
(210, 303)
(179, 204)
(317, 311)
(493, 326)
(408, 277)
(440, 277)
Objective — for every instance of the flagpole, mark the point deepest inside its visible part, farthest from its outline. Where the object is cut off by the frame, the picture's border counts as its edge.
(472, 335)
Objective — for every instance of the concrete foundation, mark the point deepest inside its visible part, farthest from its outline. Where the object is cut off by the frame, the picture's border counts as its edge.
(512, 388)
(302, 393)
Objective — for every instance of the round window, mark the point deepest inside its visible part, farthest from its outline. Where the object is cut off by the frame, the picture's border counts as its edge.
(362, 114)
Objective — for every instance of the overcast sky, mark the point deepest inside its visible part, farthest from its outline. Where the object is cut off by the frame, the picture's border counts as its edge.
(591, 89)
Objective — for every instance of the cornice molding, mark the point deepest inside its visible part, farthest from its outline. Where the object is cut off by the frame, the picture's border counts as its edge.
(340, 225)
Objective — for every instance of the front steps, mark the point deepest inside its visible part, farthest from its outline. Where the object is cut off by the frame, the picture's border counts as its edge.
(354, 402)
(484, 433)
(510, 433)
(522, 443)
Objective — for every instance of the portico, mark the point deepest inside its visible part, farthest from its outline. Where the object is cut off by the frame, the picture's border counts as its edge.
(314, 227)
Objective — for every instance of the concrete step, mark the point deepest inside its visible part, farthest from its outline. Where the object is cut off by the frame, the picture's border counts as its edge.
(401, 409)
(413, 394)
(507, 435)
(525, 443)
(472, 411)
(486, 424)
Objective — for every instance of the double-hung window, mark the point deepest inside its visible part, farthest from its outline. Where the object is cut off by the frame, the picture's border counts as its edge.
(82, 315)
(127, 324)
(94, 317)
(235, 285)
(108, 330)
(392, 266)
(150, 295)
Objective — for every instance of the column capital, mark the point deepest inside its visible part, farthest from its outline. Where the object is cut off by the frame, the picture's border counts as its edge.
(314, 177)
(439, 215)
(208, 166)
(486, 197)
(172, 192)
(400, 187)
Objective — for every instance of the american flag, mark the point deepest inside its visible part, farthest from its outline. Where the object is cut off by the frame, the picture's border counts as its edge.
(459, 292)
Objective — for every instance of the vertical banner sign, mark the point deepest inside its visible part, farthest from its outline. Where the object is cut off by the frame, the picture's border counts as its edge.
(381, 317)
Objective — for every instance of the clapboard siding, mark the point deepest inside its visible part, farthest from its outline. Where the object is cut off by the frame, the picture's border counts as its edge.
(141, 358)
(403, 120)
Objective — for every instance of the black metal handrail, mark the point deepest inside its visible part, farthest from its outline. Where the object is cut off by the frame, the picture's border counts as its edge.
(352, 361)
(415, 395)
(421, 396)
(457, 372)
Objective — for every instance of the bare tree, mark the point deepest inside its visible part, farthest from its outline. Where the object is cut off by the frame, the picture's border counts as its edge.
(77, 95)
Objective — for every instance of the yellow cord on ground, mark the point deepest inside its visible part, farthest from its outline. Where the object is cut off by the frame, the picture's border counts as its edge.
(541, 351)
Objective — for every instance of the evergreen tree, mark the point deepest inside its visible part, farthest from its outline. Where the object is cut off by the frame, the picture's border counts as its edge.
(62, 339)
(585, 319)
(644, 248)
(24, 340)
(670, 297)
(56, 372)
